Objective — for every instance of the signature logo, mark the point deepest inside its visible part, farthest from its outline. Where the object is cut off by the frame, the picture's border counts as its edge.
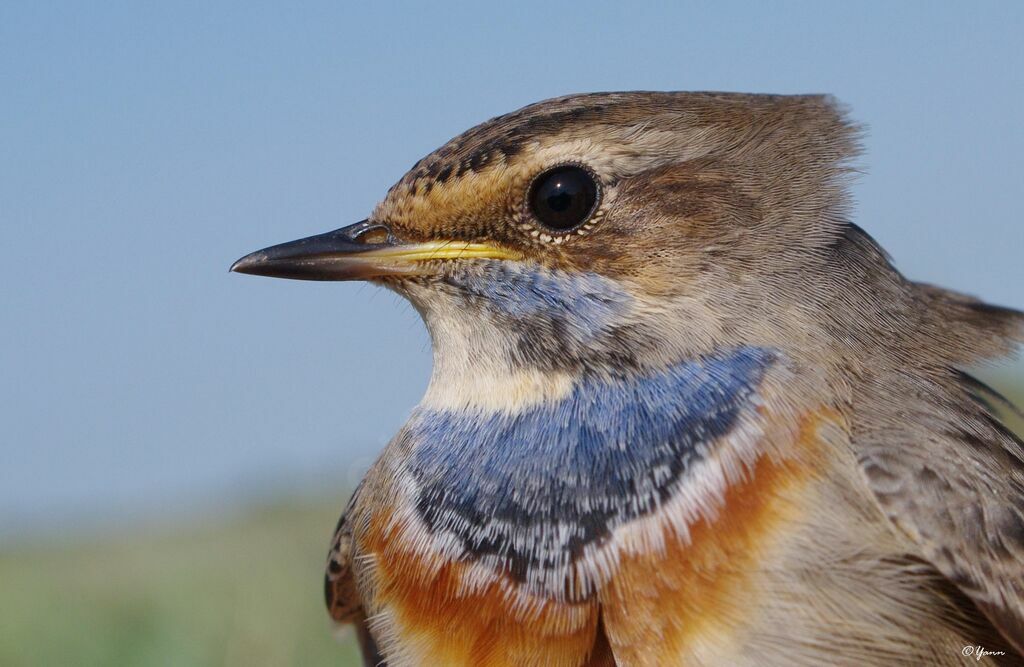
(979, 652)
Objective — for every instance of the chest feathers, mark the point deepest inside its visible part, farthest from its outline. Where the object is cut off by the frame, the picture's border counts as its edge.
(528, 490)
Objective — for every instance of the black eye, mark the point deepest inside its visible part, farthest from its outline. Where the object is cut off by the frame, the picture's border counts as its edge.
(563, 198)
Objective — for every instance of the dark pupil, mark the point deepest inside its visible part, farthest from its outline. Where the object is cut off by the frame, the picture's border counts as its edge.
(563, 198)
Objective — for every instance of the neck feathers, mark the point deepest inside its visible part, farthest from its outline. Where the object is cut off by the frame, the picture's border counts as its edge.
(533, 486)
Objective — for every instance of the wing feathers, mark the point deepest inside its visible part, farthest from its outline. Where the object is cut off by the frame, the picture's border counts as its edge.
(952, 479)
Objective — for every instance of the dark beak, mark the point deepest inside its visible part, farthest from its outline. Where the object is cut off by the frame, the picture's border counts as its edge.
(336, 255)
(358, 252)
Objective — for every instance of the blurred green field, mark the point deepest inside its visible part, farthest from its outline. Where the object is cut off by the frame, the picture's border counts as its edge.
(1009, 381)
(242, 591)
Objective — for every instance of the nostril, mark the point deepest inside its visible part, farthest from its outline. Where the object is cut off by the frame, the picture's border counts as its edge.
(369, 233)
(376, 234)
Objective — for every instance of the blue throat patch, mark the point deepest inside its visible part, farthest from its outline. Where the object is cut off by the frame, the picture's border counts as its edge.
(580, 304)
(529, 291)
(537, 486)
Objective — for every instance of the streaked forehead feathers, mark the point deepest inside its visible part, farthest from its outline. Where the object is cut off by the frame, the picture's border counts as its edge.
(484, 172)
(479, 169)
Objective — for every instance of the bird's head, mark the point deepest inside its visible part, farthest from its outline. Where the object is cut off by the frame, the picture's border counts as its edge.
(604, 231)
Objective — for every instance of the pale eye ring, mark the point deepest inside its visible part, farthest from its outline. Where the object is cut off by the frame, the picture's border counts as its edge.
(563, 198)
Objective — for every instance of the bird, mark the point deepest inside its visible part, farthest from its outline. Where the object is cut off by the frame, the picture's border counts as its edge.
(683, 410)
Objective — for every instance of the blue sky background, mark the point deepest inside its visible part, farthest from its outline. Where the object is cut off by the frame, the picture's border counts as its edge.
(145, 146)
